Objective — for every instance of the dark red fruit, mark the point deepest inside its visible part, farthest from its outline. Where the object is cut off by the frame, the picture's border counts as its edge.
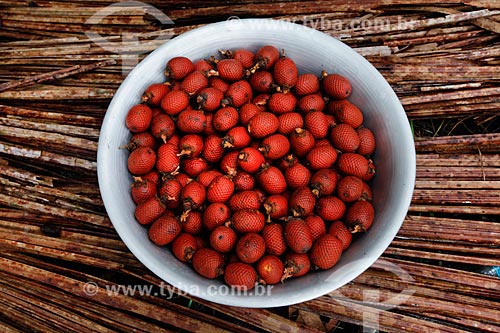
(162, 127)
(359, 216)
(262, 125)
(344, 138)
(339, 230)
(213, 149)
(190, 145)
(142, 189)
(366, 141)
(330, 208)
(240, 276)
(245, 199)
(243, 181)
(164, 230)
(317, 226)
(230, 69)
(209, 99)
(225, 118)
(141, 161)
(215, 214)
(262, 81)
(178, 68)
(350, 188)
(208, 263)
(274, 238)
(288, 122)
(321, 157)
(192, 222)
(250, 247)
(194, 166)
(139, 118)
(311, 103)
(267, 56)
(302, 202)
(296, 265)
(174, 102)
(336, 86)
(281, 103)
(326, 251)
(271, 180)
(285, 73)
(248, 220)
(276, 206)
(236, 138)
(223, 239)
(194, 83)
(324, 182)
(270, 269)
(191, 121)
(301, 141)
(168, 159)
(154, 93)
(238, 93)
(170, 193)
(306, 84)
(297, 176)
(220, 189)
(298, 236)
(317, 123)
(250, 160)
(184, 246)
(193, 195)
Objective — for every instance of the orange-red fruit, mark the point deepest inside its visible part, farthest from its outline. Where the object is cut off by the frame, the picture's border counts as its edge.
(245, 199)
(261, 101)
(167, 158)
(243, 181)
(339, 230)
(348, 113)
(149, 210)
(324, 182)
(225, 118)
(152, 176)
(359, 216)
(250, 159)
(237, 138)
(297, 175)
(203, 65)
(209, 99)
(208, 263)
(296, 265)
(366, 141)
(229, 163)
(250, 247)
(298, 236)
(246, 57)
(247, 111)
(230, 69)
(307, 83)
(139, 118)
(281, 103)
(350, 188)
(301, 141)
(142, 139)
(191, 145)
(344, 138)
(240, 276)
(274, 239)
(367, 193)
(191, 121)
(141, 161)
(353, 164)
(174, 102)
(285, 72)
(192, 222)
(213, 149)
(209, 128)
(194, 166)
(164, 230)
(275, 146)
(220, 189)
(162, 127)
(311, 103)
(194, 82)
(215, 214)
(336, 86)
(223, 239)
(267, 56)
(193, 195)
(262, 125)
(184, 246)
(248, 220)
(326, 251)
(271, 180)
(178, 68)
(142, 189)
(154, 93)
(218, 83)
(317, 226)
(206, 177)
(302, 202)
(262, 81)
(321, 157)
(237, 94)
(288, 122)
(330, 208)
(270, 269)
(317, 123)
(276, 206)
(170, 193)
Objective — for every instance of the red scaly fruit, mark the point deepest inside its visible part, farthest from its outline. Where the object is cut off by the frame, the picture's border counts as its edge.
(152, 176)
(148, 211)
(142, 139)
(349, 114)
(330, 208)
(353, 164)
(206, 177)
(298, 236)
(266, 57)
(270, 269)
(220, 189)
(350, 188)
(287, 161)
(250, 160)
(154, 93)
(297, 176)
(271, 180)
(334, 106)
(326, 251)
(229, 163)
(170, 193)
(223, 239)
(202, 242)
(191, 145)
(296, 265)
(317, 123)
(331, 120)
(250, 247)
(275, 146)
(194, 82)
(174, 102)
(182, 178)
(359, 216)
(317, 226)
(339, 230)
(193, 166)
(306, 84)
(249, 199)
(203, 65)
(302, 202)
(184, 246)
(162, 127)
(175, 139)
(218, 83)
(336, 86)
(366, 141)
(225, 118)
(192, 222)
(208, 263)
(311, 103)
(236, 138)
(240, 276)
(288, 122)
(285, 73)
(246, 57)
(261, 101)
(164, 230)
(247, 111)
(167, 158)
(191, 121)
(344, 138)
(301, 141)
(230, 70)
(213, 149)
(209, 127)
(321, 157)
(243, 181)
(276, 207)
(141, 161)
(262, 125)
(139, 118)
(371, 171)
(323, 182)
(193, 195)
(178, 68)
(156, 111)
(274, 239)
(142, 189)
(262, 81)
(237, 94)
(248, 220)
(209, 99)
(280, 103)
(366, 193)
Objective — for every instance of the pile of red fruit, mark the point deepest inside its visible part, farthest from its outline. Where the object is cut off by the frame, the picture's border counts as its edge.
(247, 169)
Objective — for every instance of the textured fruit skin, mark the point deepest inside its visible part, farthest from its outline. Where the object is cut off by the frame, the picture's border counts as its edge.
(209, 99)
(297, 176)
(366, 193)
(301, 141)
(192, 222)
(336, 86)
(281, 103)
(250, 160)
(142, 139)
(316, 225)
(240, 276)
(218, 83)
(317, 123)
(162, 127)
(230, 69)
(270, 269)
(285, 72)
(184, 246)
(164, 230)
(193, 195)
(191, 121)
(324, 182)
(154, 93)
(248, 220)
(276, 206)
(216, 214)
(321, 157)
(152, 176)
(339, 230)
(250, 247)
(261, 101)
(139, 118)
(149, 210)
(330, 208)
(262, 81)
(275, 146)
(223, 239)
(213, 149)
(236, 138)
(174, 102)
(142, 189)
(288, 122)
(178, 68)
(246, 57)
(206, 177)
(366, 141)
(167, 158)
(246, 112)
(262, 125)
(274, 238)
(245, 199)
(220, 189)
(296, 265)
(203, 65)
(353, 164)
(237, 94)
(170, 193)
(141, 161)
(194, 82)
(311, 103)
(326, 251)
(243, 181)
(302, 202)
(348, 113)
(307, 83)
(194, 166)
(225, 118)
(267, 56)
(229, 163)
(271, 180)
(359, 216)
(208, 263)
(209, 128)
(344, 138)
(350, 188)
(298, 236)
(190, 145)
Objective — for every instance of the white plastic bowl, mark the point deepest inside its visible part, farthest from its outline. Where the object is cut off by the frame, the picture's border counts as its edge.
(313, 51)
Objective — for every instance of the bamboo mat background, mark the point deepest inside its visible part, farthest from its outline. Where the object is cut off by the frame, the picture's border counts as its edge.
(55, 235)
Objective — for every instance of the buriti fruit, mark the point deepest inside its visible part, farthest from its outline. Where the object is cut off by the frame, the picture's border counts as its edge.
(248, 170)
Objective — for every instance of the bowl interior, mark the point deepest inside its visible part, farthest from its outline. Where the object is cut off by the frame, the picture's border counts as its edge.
(313, 52)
